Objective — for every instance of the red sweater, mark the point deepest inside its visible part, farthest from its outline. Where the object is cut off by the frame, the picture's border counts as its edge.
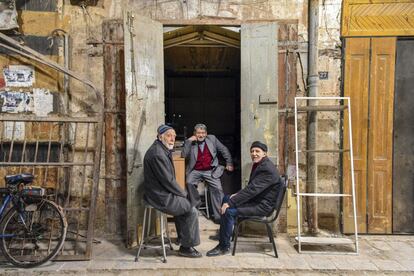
(204, 159)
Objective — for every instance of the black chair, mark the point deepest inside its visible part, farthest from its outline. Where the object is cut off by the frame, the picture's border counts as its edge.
(268, 221)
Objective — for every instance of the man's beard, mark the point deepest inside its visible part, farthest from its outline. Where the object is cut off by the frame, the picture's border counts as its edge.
(201, 139)
(168, 146)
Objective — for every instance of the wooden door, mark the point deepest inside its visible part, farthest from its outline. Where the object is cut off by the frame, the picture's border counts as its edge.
(259, 90)
(144, 82)
(369, 81)
(381, 104)
(356, 87)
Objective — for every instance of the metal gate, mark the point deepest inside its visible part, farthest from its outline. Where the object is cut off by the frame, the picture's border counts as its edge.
(62, 153)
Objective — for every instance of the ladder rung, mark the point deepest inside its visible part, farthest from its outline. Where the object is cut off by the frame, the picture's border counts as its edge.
(323, 194)
(325, 150)
(325, 240)
(322, 108)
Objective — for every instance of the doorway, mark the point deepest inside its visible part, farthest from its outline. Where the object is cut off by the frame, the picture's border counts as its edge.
(403, 167)
(202, 85)
(252, 94)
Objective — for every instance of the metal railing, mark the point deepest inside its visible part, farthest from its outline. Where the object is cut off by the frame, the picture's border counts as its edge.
(63, 153)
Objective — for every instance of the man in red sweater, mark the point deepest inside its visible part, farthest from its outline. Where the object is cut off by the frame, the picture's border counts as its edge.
(200, 151)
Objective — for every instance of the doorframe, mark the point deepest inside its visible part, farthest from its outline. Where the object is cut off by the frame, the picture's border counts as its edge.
(220, 22)
(284, 101)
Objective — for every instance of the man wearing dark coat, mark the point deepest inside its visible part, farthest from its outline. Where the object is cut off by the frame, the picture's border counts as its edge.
(258, 198)
(201, 153)
(162, 191)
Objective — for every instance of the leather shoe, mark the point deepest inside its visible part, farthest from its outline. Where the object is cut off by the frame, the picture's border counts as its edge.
(215, 237)
(189, 252)
(218, 251)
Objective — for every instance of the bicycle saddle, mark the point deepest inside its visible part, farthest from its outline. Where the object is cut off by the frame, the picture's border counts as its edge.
(19, 178)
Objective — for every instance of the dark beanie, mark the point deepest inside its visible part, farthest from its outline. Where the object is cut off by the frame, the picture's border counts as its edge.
(260, 145)
(163, 128)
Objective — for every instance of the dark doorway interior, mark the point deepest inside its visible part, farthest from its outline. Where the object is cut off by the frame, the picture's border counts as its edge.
(403, 165)
(202, 85)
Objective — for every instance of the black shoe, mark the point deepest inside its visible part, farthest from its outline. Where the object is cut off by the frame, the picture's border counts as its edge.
(218, 251)
(189, 252)
(215, 237)
(216, 221)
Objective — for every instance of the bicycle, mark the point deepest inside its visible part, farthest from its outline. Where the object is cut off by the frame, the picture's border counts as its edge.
(33, 229)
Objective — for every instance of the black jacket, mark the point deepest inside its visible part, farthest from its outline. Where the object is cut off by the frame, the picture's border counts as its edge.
(161, 189)
(258, 198)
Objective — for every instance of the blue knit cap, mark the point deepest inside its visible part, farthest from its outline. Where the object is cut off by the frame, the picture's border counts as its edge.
(163, 128)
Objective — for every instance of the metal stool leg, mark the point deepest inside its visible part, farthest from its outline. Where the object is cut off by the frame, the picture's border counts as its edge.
(141, 242)
(206, 199)
(168, 232)
(149, 221)
(162, 238)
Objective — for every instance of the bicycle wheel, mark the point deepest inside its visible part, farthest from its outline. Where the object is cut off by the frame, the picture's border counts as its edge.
(34, 236)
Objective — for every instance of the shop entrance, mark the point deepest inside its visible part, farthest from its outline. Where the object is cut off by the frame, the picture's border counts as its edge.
(202, 85)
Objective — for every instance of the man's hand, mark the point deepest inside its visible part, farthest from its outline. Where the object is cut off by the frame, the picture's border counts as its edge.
(230, 168)
(224, 208)
(192, 138)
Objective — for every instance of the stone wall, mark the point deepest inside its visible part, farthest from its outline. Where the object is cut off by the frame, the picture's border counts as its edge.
(84, 26)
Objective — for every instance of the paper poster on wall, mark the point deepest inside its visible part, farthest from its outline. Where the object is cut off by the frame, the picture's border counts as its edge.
(19, 76)
(8, 15)
(16, 101)
(43, 101)
(14, 130)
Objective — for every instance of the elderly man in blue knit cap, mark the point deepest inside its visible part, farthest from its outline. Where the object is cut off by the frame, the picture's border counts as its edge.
(256, 199)
(162, 191)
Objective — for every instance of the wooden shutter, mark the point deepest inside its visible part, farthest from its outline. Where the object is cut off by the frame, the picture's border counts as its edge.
(356, 82)
(380, 135)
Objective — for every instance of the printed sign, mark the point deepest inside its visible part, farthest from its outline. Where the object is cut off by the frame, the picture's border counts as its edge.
(323, 75)
(14, 102)
(19, 76)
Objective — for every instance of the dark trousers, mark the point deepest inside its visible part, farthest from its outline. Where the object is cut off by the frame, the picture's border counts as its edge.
(214, 187)
(187, 228)
(227, 224)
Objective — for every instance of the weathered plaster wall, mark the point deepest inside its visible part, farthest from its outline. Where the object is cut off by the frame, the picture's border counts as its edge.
(84, 25)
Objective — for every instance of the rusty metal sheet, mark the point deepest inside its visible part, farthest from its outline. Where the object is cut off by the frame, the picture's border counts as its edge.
(378, 18)
(36, 5)
(403, 175)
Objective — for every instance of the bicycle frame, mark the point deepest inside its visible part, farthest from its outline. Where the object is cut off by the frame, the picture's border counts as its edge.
(6, 202)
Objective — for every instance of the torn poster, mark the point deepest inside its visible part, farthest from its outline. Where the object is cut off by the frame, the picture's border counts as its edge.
(14, 130)
(43, 101)
(19, 76)
(14, 101)
(8, 15)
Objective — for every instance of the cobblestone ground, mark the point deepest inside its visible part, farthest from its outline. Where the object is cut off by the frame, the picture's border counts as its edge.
(379, 255)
